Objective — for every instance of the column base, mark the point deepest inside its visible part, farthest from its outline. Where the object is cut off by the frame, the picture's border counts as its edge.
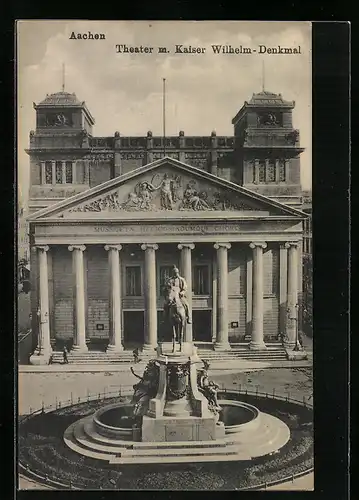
(222, 346)
(114, 348)
(257, 346)
(40, 357)
(149, 348)
(79, 348)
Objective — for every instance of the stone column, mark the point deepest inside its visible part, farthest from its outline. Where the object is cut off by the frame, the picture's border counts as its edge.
(256, 171)
(43, 350)
(277, 170)
(214, 154)
(292, 294)
(186, 269)
(181, 142)
(63, 171)
(53, 165)
(43, 172)
(80, 328)
(149, 146)
(87, 172)
(257, 341)
(283, 278)
(115, 341)
(74, 177)
(150, 296)
(222, 342)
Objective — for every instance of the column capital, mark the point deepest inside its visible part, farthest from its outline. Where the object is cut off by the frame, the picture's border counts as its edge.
(261, 244)
(152, 246)
(113, 247)
(180, 246)
(217, 246)
(77, 247)
(289, 244)
(42, 248)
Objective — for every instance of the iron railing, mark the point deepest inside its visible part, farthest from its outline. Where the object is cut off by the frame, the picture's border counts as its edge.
(127, 390)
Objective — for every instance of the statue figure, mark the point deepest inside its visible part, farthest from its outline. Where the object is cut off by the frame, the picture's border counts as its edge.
(176, 307)
(145, 389)
(194, 200)
(179, 282)
(208, 388)
(133, 201)
(167, 189)
(145, 194)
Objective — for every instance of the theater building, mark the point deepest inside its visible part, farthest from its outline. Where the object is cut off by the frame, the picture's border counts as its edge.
(111, 216)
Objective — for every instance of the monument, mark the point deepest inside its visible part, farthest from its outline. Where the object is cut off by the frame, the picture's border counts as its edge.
(175, 415)
(176, 401)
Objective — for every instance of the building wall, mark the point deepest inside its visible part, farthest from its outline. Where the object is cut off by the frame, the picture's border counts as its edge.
(97, 280)
(63, 289)
(237, 293)
(271, 290)
(98, 293)
(99, 173)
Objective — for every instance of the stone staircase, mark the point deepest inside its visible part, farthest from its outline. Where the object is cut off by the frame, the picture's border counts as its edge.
(274, 352)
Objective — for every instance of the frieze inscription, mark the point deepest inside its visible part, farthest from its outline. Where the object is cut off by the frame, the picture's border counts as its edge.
(167, 228)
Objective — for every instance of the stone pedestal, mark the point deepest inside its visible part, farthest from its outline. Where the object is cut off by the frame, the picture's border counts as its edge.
(179, 412)
(296, 355)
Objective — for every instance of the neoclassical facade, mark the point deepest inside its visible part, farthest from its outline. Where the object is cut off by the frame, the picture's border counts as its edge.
(110, 216)
(102, 255)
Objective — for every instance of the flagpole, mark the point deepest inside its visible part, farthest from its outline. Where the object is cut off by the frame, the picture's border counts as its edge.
(263, 77)
(63, 77)
(164, 116)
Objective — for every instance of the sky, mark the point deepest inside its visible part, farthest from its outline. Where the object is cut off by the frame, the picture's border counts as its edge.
(124, 91)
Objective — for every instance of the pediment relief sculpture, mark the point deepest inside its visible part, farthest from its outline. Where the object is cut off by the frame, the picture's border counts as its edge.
(165, 192)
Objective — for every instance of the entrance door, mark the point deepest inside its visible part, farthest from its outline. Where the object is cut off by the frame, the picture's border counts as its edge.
(202, 326)
(133, 328)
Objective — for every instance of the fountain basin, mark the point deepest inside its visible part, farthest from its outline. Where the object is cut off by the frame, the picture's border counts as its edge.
(238, 417)
(114, 421)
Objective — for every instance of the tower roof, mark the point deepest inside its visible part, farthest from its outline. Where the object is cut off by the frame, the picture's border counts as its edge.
(268, 99)
(263, 99)
(61, 99)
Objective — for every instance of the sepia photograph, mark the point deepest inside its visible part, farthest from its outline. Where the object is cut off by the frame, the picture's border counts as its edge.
(164, 269)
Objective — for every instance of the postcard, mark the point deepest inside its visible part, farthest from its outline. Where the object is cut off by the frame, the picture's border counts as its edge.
(164, 255)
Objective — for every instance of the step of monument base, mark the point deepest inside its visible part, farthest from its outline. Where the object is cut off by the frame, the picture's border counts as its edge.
(272, 435)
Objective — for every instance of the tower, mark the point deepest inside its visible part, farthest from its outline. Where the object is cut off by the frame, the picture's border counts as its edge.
(63, 130)
(268, 148)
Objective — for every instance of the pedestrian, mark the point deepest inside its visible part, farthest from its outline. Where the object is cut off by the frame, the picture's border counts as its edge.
(64, 355)
(136, 358)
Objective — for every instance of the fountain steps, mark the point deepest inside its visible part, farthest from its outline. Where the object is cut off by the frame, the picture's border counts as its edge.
(271, 435)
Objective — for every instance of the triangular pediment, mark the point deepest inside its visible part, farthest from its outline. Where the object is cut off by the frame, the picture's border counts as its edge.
(165, 188)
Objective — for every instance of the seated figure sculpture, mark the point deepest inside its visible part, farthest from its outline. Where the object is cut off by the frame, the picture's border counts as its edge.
(145, 389)
(208, 388)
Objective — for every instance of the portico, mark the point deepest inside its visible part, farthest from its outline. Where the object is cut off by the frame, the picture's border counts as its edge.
(99, 267)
